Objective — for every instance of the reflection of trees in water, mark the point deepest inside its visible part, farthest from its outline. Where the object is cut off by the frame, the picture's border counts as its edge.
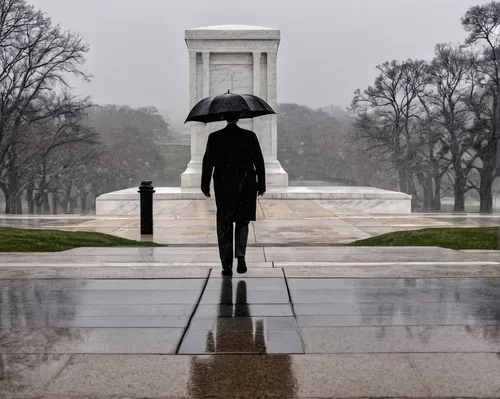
(24, 304)
(467, 294)
(237, 376)
(470, 295)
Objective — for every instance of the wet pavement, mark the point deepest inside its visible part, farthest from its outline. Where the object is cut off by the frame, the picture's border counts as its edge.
(309, 320)
(264, 336)
(279, 222)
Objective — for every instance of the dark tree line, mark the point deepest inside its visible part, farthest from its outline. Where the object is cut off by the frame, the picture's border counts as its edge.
(428, 128)
(437, 123)
(59, 151)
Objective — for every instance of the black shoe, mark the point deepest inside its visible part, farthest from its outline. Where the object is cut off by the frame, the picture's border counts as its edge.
(242, 265)
(227, 272)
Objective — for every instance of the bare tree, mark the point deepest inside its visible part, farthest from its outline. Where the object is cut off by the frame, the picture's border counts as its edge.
(56, 151)
(446, 105)
(35, 60)
(483, 24)
(385, 114)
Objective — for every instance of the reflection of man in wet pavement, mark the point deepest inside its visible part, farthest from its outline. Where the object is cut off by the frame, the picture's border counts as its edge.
(234, 376)
(235, 158)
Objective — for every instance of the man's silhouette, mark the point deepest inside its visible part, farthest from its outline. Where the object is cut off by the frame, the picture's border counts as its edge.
(235, 158)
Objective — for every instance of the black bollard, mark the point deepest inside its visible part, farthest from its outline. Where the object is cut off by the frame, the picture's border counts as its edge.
(146, 190)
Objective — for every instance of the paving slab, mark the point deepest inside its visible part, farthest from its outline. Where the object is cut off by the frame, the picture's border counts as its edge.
(160, 254)
(251, 284)
(400, 271)
(330, 256)
(391, 283)
(397, 339)
(395, 308)
(306, 209)
(374, 295)
(25, 376)
(245, 310)
(253, 272)
(285, 376)
(102, 285)
(252, 297)
(96, 322)
(459, 374)
(220, 341)
(119, 297)
(362, 254)
(376, 264)
(91, 340)
(478, 254)
(277, 209)
(29, 310)
(395, 320)
(131, 272)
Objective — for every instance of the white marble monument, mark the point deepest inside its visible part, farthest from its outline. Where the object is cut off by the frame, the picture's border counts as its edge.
(241, 59)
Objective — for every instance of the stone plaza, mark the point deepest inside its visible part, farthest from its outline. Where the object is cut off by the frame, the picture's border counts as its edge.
(312, 318)
(243, 60)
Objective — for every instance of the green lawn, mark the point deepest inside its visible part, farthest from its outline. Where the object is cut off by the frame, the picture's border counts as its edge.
(24, 240)
(453, 238)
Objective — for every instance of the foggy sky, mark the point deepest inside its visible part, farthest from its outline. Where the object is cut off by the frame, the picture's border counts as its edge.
(329, 48)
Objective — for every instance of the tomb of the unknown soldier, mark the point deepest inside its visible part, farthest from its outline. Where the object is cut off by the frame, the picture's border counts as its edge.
(243, 59)
(339, 291)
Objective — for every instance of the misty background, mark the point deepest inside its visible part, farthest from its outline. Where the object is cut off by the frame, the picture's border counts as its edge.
(400, 95)
(329, 48)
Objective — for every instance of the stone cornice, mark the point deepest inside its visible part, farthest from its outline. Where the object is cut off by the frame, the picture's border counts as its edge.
(233, 45)
(232, 34)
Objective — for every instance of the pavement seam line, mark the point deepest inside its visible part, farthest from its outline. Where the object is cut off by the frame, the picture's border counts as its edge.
(413, 365)
(177, 349)
(293, 311)
(289, 207)
(330, 212)
(58, 373)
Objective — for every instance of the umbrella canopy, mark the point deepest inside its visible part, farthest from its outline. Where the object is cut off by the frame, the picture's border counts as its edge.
(238, 106)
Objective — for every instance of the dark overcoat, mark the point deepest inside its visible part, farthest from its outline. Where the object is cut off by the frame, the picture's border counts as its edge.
(235, 158)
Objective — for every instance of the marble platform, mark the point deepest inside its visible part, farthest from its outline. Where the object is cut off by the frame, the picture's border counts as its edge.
(340, 200)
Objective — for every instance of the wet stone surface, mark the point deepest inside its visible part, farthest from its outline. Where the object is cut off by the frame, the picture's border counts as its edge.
(245, 316)
(386, 337)
(394, 302)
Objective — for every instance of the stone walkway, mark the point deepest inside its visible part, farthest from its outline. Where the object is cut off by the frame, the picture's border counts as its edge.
(279, 222)
(306, 322)
(311, 319)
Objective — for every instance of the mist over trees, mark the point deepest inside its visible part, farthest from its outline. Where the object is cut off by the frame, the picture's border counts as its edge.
(315, 145)
(429, 128)
(59, 151)
(437, 122)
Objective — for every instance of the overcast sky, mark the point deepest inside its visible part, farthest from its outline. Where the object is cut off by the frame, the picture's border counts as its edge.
(329, 48)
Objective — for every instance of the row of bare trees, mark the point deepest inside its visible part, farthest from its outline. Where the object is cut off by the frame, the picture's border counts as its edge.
(438, 122)
(57, 149)
(39, 116)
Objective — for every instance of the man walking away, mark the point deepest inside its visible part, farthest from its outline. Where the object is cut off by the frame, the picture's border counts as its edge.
(235, 158)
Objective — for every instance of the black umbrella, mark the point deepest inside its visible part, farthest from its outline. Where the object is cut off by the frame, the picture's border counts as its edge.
(238, 106)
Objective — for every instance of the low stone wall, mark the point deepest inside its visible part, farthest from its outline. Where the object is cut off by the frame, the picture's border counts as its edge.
(341, 200)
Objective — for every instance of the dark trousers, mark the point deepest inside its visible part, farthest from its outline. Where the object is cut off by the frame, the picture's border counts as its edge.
(225, 238)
